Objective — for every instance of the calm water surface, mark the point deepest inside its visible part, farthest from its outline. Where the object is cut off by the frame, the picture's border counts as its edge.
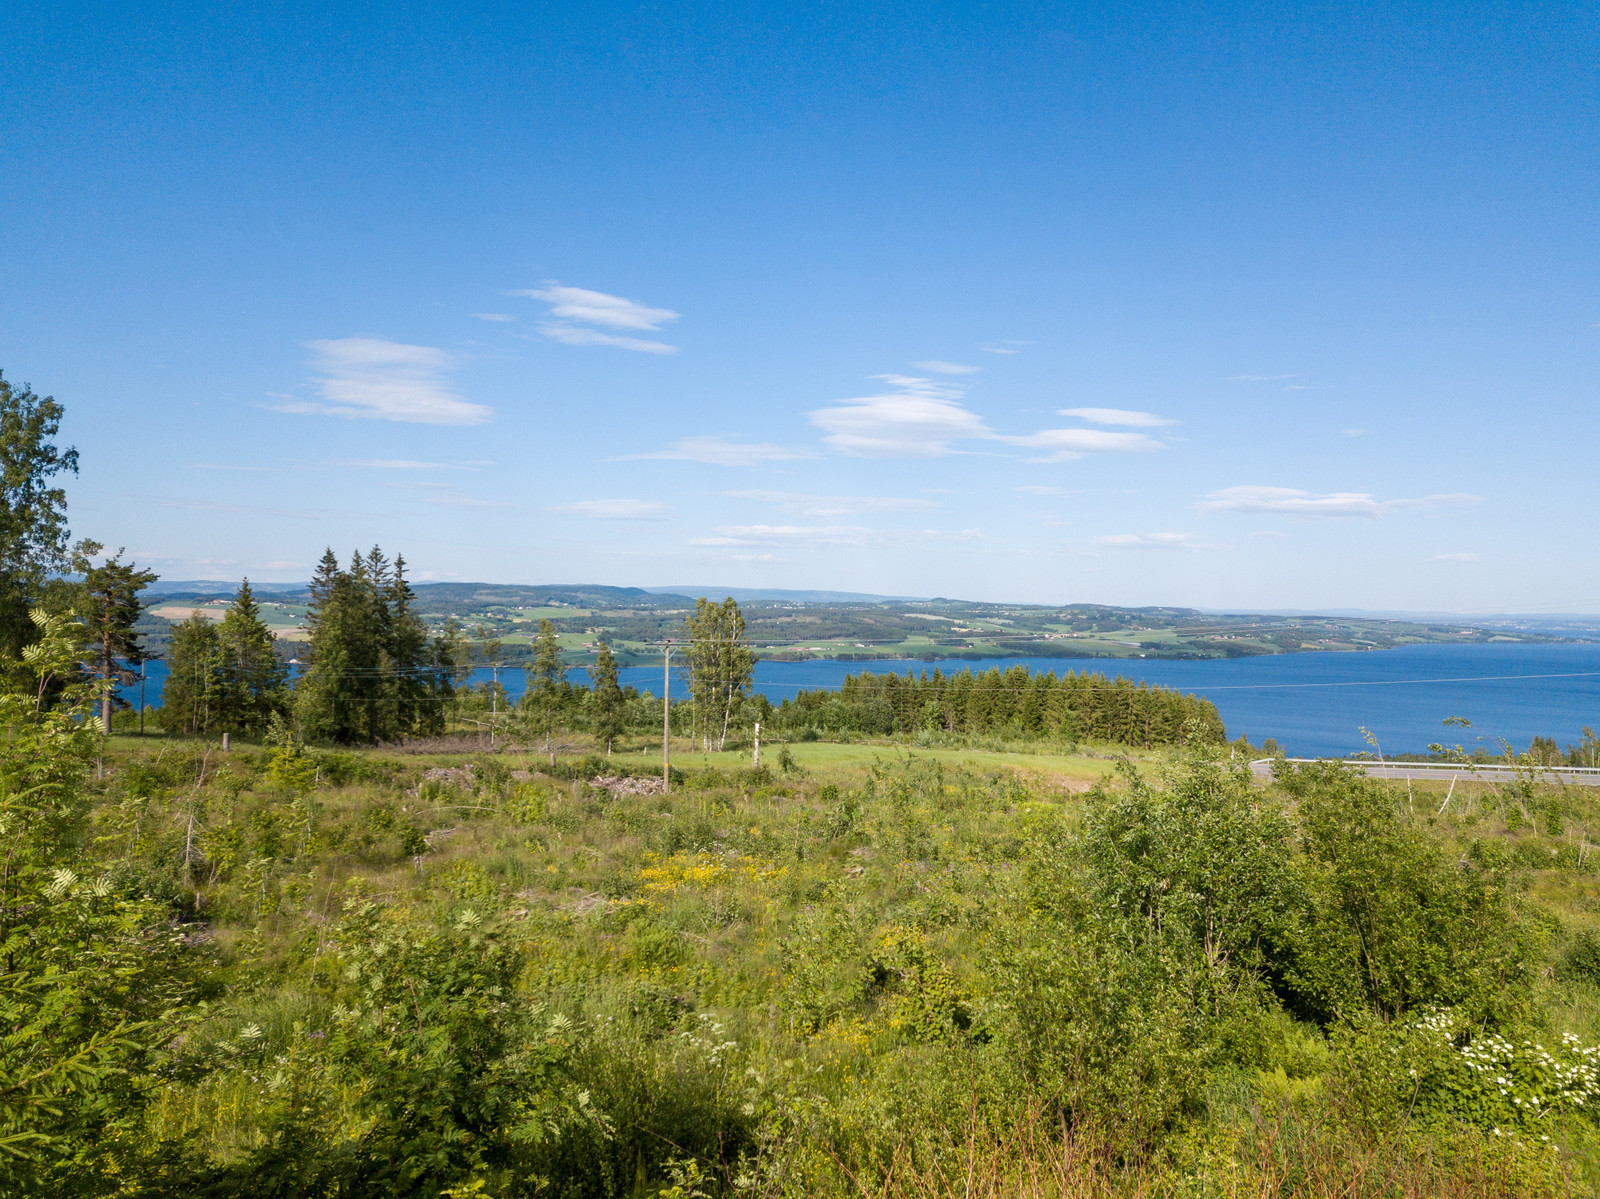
(1314, 703)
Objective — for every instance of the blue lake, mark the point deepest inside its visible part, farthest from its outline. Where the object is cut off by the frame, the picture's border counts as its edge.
(1314, 703)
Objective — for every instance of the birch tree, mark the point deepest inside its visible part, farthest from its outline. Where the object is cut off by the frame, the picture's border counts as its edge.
(720, 666)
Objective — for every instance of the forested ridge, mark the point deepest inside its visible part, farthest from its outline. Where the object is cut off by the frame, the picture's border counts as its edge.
(634, 622)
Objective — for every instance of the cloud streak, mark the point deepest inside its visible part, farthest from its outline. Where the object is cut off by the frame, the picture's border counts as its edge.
(614, 509)
(825, 536)
(581, 316)
(1150, 541)
(834, 505)
(1292, 502)
(256, 510)
(719, 451)
(926, 418)
(573, 335)
(1118, 416)
(405, 464)
(367, 378)
(940, 367)
(1066, 445)
(912, 418)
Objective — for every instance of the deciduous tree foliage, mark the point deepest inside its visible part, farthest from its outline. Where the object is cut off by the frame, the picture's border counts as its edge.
(548, 692)
(33, 512)
(190, 695)
(720, 666)
(91, 980)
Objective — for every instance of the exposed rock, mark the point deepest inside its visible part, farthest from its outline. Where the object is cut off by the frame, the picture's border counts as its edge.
(615, 785)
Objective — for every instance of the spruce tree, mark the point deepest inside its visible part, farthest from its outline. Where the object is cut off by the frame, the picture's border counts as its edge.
(607, 698)
(422, 678)
(548, 690)
(251, 676)
(373, 673)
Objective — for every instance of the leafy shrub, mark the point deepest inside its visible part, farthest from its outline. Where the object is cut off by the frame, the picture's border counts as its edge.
(1582, 959)
(1394, 924)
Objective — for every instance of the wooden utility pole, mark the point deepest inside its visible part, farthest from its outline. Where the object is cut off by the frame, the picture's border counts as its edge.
(757, 762)
(666, 717)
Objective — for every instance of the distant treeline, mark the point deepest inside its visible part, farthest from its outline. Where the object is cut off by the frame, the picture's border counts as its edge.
(1075, 706)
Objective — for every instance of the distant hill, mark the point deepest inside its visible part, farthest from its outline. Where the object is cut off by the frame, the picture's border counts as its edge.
(779, 595)
(794, 624)
(217, 587)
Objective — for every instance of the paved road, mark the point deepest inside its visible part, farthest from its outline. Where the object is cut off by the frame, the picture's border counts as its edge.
(1571, 776)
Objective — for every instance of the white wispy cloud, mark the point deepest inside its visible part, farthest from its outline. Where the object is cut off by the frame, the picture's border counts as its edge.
(454, 499)
(940, 367)
(1454, 558)
(719, 451)
(1004, 347)
(925, 418)
(443, 495)
(1042, 489)
(1353, 433)
(740, 535)
(1065, 445)
(575, 335)
(1118, 416)
(257, 510)
(368, 378)
(580, 314)
(914, 418)
(1150, 541)
(816, 536)
(1258, 378)
(1290, 501)
(598, 308)
(226, 466)
(614, 509)
(834, 505)
(497, 317)
(405, 464)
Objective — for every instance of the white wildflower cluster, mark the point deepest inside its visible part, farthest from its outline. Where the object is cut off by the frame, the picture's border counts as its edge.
(1533, 1080)
(707, 1039)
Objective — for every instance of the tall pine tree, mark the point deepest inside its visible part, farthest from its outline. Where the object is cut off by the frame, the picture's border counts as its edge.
(113, 609)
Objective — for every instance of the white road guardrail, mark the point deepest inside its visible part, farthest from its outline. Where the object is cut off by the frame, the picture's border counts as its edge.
(1495, 772)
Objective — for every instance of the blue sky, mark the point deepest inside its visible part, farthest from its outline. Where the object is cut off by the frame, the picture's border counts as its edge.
(1219, 305)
